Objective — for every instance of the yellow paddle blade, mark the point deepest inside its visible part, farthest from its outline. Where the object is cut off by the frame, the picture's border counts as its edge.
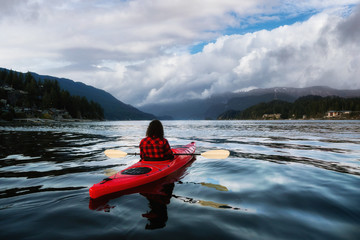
(216, 154)
(113, 153)
(216, 186)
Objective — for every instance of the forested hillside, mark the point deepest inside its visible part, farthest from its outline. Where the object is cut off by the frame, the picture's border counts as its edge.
(23, 96)
(304, 107)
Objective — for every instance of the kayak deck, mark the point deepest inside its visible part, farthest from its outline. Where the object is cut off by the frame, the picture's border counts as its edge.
(142, 172)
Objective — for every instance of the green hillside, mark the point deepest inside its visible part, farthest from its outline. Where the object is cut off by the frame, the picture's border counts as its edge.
(304, 107)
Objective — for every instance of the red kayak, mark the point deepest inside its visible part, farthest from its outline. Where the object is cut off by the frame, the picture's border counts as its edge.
(142, 172)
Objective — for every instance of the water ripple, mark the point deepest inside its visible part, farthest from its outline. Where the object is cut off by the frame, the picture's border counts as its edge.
(8, 193)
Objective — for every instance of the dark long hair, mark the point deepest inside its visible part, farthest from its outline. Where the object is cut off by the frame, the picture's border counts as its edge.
(155, 129)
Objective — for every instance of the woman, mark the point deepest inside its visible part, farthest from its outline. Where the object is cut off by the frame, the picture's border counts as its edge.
(155, 147)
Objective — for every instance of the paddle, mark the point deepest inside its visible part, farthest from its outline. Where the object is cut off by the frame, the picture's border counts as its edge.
(213, 154)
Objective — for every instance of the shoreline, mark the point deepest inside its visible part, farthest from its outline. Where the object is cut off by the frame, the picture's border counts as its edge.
(45, 121)
(42, 120)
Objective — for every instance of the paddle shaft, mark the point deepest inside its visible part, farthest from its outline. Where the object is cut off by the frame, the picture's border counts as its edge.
(138, 154)
(215, 154)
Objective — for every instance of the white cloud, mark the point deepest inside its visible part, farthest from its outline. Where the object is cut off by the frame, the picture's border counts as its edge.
(139, 50)
(300, 55)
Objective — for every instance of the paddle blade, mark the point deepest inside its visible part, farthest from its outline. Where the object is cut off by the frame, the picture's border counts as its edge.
(216, 154)
(113, 153)
(216, 186)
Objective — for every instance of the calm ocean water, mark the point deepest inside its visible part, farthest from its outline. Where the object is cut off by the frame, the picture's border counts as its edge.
(283, 180)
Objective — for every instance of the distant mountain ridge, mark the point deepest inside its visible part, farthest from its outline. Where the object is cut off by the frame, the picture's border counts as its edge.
(114, 109)
(322, 91)
(212, 107)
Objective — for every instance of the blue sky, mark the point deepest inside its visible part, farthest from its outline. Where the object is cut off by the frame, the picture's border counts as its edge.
(158, 51)
(276, 21)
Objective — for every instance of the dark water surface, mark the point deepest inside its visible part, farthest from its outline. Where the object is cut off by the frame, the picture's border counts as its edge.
(283, 180)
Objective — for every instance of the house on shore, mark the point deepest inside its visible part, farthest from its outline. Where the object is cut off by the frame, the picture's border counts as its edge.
(335, 114)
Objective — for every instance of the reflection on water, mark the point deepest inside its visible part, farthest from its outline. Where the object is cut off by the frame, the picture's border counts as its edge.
(209, 185)
(158, 196)
(209, 204)
(158, 214)
(283, 180)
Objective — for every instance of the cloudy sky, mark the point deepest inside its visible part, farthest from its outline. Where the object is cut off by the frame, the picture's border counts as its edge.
(144, 51)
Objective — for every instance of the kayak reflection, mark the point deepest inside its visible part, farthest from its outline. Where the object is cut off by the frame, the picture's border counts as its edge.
(157, 193)
(157, 215)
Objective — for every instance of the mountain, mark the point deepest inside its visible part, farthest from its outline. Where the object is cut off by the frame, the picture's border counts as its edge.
(212, 107)
(113, 108)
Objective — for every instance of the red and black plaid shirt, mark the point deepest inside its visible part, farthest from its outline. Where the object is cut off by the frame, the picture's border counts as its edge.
(155, 149)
